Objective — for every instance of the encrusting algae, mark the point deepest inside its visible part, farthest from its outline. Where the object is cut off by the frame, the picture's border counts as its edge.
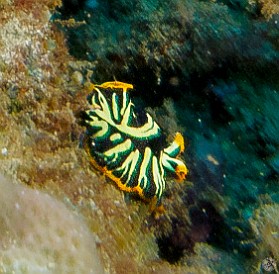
(127, 145)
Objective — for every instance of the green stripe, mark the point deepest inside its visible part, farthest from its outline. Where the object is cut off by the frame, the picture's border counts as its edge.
(149, 130)
(129, 166)
(173, 150)
(157, 176)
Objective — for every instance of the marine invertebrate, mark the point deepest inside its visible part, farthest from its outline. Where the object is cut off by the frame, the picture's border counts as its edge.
(127, 145)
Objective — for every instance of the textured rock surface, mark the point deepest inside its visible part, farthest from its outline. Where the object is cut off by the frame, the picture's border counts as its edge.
(39, 234)
(217, 60)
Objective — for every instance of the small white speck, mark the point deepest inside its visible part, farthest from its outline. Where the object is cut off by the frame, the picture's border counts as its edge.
(17, 206)
(117, 203)
(97, 239)
(275, 21)
(224, 176)
(50, 265)
(93, 205)
(199, 120)
(4, 151)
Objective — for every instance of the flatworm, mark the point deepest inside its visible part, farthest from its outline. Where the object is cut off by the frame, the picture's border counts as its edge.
(127, 145)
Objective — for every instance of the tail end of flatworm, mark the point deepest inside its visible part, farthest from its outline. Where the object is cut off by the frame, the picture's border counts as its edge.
(181, 171)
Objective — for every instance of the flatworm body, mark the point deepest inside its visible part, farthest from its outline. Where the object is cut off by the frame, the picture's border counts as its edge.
(127, 145)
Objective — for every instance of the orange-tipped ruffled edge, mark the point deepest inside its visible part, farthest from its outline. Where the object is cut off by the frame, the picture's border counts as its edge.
(113, 85)
(181, 172)
(108, 173)
(116, 84)
(179, 140)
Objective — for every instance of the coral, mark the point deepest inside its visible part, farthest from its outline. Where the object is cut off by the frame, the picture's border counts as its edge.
(4, 3)
(258, 119)
(39, 234)
(268, 8)
(155, 42)
(40, 137)
(215, 260)
(265, 225)
(218, 62)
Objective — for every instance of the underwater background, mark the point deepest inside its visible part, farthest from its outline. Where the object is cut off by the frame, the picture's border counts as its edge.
(208, 69)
